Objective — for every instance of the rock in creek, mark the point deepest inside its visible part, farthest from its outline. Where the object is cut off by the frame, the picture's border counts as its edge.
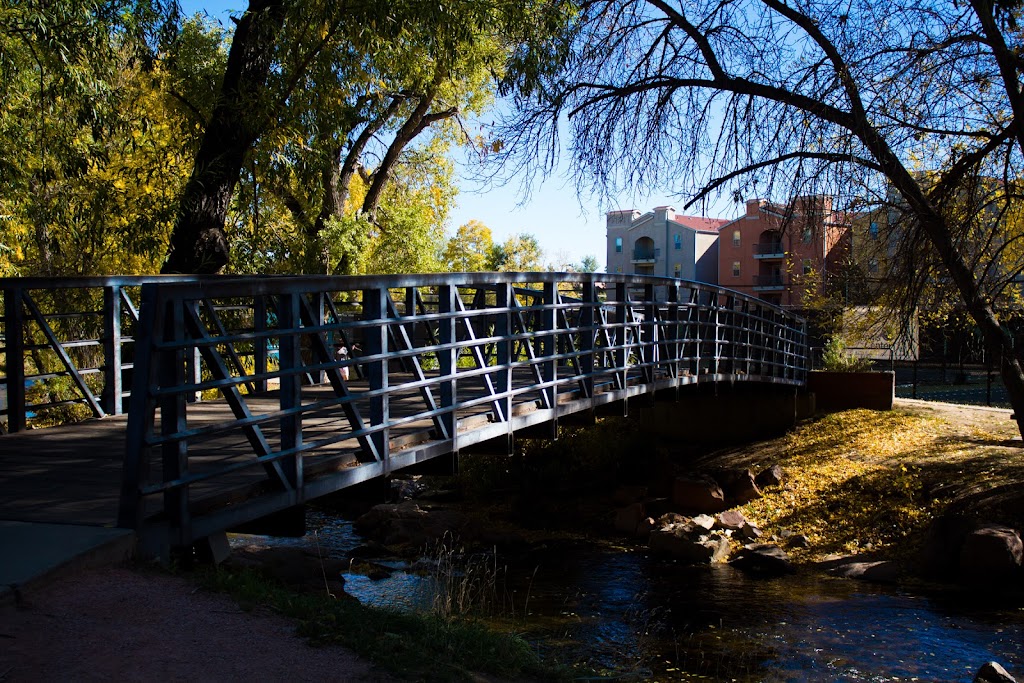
(408, 523)
(685, 542)
(991, 552)
(764, 559)
(993, 672)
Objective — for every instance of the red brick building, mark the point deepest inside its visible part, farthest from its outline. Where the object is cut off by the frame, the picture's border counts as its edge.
(778, 252)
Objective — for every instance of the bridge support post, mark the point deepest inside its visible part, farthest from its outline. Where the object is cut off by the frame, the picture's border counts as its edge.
(14, 341)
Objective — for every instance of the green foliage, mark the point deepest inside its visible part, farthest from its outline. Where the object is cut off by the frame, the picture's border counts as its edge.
(520, 253)
(835, 357)
(407, 242)
(469, 249)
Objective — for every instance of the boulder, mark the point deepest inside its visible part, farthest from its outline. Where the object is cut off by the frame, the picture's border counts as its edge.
(769, 477)
(940, 551)
(627, 518)
(739, 486)
(682, 543)
(764, 559)
(699, 494)
(798, 541)
(731, 519)
(993, 672)
(876, 571)
(645, 527)
(991, 552)
(408, 523)
(705, 522)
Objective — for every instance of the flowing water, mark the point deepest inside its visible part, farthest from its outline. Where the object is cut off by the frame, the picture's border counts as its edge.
(641, 618)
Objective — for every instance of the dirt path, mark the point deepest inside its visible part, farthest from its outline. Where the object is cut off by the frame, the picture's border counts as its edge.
(114, 624)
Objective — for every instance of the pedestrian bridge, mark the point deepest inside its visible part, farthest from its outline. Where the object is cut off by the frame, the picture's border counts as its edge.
(246, 396)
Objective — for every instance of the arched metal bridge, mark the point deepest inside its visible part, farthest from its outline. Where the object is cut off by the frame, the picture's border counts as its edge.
(249, 395)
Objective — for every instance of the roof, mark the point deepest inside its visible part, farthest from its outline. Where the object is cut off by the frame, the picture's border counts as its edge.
(701, 223)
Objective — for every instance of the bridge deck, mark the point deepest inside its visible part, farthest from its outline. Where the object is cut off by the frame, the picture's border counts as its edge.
(72, 474)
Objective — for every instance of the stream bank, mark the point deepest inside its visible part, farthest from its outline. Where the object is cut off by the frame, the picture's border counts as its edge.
(861, 483)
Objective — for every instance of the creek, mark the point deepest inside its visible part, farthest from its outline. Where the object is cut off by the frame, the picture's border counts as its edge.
(636, 617)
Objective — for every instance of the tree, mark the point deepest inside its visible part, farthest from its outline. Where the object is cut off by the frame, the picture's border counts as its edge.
(468, 250)
(906, 104)
(588, 264)
(520, 253)
(90, 158)
(198, 242)
(316, 82)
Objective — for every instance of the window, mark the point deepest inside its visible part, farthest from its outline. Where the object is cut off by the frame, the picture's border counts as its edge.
(735, 238)
(618, 245)
(806, 236)
(678, 241)
(735, 268)
(873, 230)
(807, 266)
(677, 270)
(873, 265)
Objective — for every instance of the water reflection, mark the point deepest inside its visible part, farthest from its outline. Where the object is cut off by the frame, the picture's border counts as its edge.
(626, 613)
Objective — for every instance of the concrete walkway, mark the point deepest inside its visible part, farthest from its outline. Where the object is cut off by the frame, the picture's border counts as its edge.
(32, 552)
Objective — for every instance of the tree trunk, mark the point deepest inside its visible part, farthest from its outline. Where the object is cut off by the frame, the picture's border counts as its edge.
(198, 242)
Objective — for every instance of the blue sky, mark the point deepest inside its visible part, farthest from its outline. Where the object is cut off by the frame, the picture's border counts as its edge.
(566, 226)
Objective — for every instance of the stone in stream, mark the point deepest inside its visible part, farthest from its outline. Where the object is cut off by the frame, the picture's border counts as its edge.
(991, 552)
(684, 542)
(764, 559)
(993, 672)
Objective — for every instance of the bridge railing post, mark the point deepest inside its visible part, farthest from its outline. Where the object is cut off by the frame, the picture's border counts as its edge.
(112, 366)
(14, 355)
(291, 366)
(375, 346)
(174, 371)
(648, 334)
(621, 338)
(549, 346)
(259, 342)
(587, 332)
(447, 358)
(503, 330)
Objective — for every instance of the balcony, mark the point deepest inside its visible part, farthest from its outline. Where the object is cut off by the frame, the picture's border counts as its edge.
(769, 283)
(769, 250)
(645, 256)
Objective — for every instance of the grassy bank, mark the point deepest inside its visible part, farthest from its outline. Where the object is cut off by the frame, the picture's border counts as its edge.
(419, 646)
(873, 481)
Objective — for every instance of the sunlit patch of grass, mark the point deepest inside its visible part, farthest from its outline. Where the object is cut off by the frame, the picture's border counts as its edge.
(864, 480)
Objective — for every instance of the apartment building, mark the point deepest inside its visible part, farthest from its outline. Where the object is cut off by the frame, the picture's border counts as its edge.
(663, 243)
(783, 252)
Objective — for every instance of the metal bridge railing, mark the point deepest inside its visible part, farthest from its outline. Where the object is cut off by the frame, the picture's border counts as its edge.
(433, 364)
(66, 347)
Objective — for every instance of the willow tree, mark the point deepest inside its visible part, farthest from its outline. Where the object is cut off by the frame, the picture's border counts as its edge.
(906, 101)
